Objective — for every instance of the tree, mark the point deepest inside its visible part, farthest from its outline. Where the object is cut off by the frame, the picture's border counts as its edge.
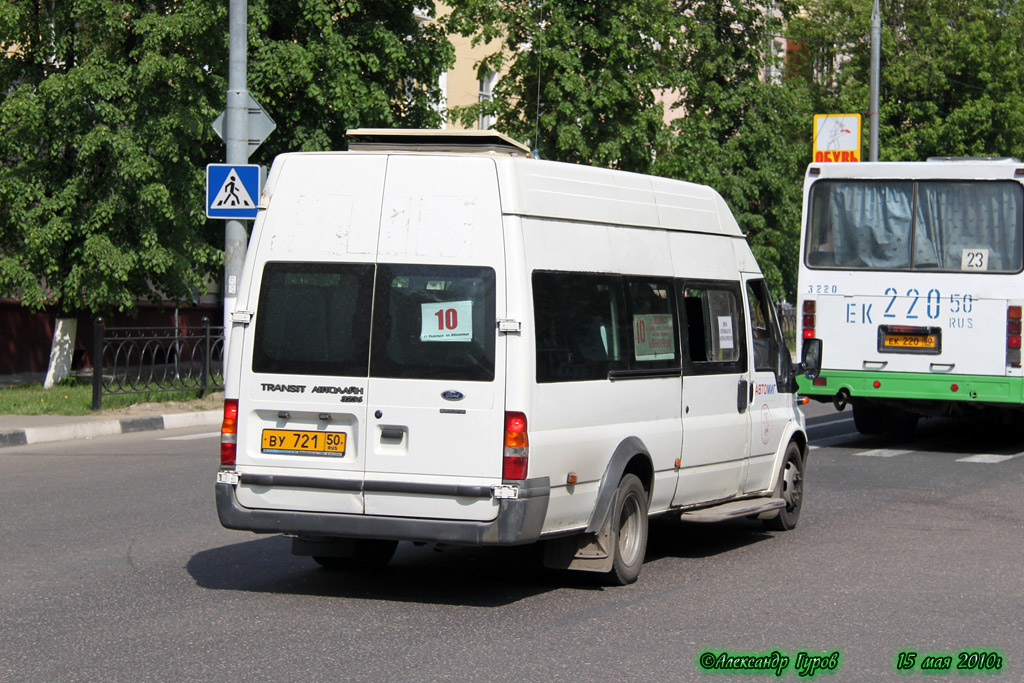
(579, 80)
(743, 130)
(321, 67)
(602, 71)
(104, 131)
(753, 150)
(105, 128)
(952, 73)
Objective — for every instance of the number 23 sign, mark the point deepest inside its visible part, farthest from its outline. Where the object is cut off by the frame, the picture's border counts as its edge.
(450, 321)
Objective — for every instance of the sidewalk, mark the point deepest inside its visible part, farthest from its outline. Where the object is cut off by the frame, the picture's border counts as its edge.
(21, 430)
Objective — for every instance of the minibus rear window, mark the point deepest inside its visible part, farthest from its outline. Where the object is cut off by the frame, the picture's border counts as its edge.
(314, 319)
(433, 322)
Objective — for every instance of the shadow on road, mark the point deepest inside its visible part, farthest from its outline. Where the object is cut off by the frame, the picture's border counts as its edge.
(669, 537)
(476, 577)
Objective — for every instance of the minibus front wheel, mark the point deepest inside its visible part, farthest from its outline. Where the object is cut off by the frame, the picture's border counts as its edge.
(791, 489)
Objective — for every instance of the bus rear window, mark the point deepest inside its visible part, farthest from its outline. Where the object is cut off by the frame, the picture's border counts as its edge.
(962, 226)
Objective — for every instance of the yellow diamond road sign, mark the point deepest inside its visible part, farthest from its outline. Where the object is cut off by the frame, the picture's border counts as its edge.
(836, 137)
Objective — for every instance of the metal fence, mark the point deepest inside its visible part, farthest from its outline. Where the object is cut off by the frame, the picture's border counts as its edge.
(787, 321)
(143, 360)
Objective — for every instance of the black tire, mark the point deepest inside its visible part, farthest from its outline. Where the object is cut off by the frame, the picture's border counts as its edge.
(900, 422)
(869, 418)
(791, 489)
(368, 553)
(628, 533)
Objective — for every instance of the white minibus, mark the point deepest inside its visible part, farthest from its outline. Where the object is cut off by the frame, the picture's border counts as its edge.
(440, 339)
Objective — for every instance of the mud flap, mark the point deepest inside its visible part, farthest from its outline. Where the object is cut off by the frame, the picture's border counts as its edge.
(581, 552)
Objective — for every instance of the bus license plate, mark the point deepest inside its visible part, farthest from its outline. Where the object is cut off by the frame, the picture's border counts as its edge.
(910, 341)
(302, 442)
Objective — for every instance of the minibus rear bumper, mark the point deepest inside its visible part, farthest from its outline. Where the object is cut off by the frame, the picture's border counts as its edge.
(519, 521)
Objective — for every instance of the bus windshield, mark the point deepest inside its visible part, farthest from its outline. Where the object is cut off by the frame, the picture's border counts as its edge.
(963, 226)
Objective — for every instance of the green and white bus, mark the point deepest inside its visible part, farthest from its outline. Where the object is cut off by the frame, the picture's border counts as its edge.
(911, 275)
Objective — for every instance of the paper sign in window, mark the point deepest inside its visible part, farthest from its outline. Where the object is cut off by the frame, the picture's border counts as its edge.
(974, 259)
(653, 337)
(448, 321)
(725, 332)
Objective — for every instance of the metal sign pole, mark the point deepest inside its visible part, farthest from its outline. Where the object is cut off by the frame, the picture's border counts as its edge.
(876, 43)
(236, 135)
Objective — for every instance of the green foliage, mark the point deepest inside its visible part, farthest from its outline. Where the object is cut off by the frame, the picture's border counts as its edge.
(743, 134)
(104, 130)
(105, 127)
(604, 72)
(952, 73)
(321, 67)
(596, 67)
(106, 106)
(754, 153)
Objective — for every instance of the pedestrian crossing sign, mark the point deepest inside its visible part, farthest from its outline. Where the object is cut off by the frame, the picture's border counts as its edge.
(232, 191)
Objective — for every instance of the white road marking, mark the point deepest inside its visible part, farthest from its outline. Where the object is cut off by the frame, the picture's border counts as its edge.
(832, 440)
(988, 458)
(884, 452)
(189, 437)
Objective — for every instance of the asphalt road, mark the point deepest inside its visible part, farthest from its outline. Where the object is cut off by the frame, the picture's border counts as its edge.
(115, 568)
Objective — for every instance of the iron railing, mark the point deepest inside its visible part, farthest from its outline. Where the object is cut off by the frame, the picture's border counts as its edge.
(787, 321)
(142, 360)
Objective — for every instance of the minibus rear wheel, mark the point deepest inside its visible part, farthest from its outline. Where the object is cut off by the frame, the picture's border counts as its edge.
(628, 534)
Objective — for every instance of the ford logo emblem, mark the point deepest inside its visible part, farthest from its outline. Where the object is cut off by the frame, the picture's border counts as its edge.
(452, 395)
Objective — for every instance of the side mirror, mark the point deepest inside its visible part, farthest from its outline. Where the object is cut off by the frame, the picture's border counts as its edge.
(810, 361)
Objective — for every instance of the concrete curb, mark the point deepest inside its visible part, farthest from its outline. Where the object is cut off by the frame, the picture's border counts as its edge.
(89, 430)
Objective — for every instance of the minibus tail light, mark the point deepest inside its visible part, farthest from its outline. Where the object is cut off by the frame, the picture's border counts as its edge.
(229, 433)
(515, 458)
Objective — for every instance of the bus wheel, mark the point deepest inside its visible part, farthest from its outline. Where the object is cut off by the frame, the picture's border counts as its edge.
(791, 489)
(367, 553)
(628, 536)
(868, 418)
(900, 423)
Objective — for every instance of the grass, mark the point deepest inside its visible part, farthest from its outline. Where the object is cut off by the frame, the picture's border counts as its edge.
(74, 397)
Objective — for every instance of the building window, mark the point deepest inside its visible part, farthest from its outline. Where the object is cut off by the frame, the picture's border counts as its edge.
(486, 94)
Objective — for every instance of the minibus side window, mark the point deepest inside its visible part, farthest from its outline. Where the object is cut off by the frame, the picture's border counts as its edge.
(770, 353)
(313, 319)
(653, 323)
(714, 340)
(581, 326)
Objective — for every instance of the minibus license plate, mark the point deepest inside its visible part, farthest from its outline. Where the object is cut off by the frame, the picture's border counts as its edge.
(910, 341)
(301, 442)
